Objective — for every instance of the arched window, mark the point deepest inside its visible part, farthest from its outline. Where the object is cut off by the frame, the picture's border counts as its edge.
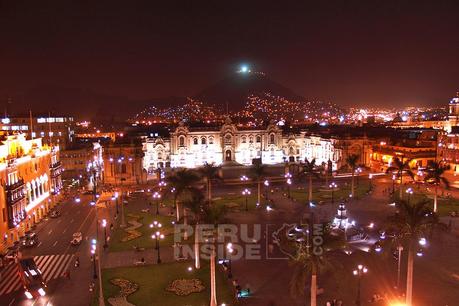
(182, 141)
(271, 139)
(203, 140)
(244, 139)
(123, 168)
(258, 138)
(211, 140)
(228, 139)
(251, 139)
(195, 141)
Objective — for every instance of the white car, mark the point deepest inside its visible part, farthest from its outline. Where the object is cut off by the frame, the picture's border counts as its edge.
(76, 239)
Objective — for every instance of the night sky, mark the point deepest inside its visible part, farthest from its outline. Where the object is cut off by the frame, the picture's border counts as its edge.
(349, 52)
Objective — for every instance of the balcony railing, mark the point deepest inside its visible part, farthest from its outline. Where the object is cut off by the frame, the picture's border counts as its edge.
(55, 165)
(13, 200)
(16, 185)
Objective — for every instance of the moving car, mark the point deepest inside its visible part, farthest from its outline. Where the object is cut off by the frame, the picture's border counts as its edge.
(30, 240)
(55, 214)
(31, 278)
(76, 238)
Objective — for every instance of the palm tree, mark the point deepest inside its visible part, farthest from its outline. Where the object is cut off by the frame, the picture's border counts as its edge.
(213, 215)
(410, 223)
(196, 205)
(258, 173)
(183, 181)
(309, 169)
(307, 262)
(400, 166)
(352, 163)
(435, 176)
(210, 172)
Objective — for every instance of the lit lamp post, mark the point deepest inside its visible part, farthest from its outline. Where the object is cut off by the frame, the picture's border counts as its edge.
(393, 184)
(156, 225)
(244, 178)
(266, 183)
(246, 193)
(104, 225)
(157, 196)
(332, 187)
(409, 191)
(93, 256)
(230, 250)
(358, 171)
(288, 176)
(399, 263)
(157, 236)
(361, 270)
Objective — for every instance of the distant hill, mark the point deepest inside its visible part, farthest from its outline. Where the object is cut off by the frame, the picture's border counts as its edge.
(235, 90)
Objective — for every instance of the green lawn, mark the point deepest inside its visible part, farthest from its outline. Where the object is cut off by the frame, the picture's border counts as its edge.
(445, 205)
(237, 202)
(144, 241)
(153, 279)
(324, 194)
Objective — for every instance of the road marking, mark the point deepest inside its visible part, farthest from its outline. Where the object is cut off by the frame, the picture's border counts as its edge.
(59, 221)
(64, 230)
(55, 243)
(50, 231)
(39, 244)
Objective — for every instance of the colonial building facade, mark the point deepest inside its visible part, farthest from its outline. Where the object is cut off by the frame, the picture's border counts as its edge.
(191, 147)
(30, 176)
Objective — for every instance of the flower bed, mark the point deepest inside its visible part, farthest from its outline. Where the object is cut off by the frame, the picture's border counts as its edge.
(184, 287)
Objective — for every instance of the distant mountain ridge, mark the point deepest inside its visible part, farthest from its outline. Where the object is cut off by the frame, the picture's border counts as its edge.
(235, 89)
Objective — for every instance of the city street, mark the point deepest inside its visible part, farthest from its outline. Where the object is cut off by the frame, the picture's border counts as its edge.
(55, 256)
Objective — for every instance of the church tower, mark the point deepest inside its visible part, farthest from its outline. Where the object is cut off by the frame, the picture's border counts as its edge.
(453, 115)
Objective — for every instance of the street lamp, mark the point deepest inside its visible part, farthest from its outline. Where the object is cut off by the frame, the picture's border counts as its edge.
(156, 225)
(230, 250)
(157, 236)
(361, 270)
(266, 183)
(409, 191)
(246, 193)
(104, 225)
(288, 176)
(358, 170)
(244, 178)
(393, 184)
(157, 196)
(399, 263)
(93, 256)
(332, 186)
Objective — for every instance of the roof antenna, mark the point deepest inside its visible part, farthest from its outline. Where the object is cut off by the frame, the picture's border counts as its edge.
(31, 123)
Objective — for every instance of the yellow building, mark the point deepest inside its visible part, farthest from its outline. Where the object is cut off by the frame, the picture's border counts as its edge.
(30, 176)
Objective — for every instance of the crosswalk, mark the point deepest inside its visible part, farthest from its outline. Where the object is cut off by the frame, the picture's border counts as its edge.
(52, 266)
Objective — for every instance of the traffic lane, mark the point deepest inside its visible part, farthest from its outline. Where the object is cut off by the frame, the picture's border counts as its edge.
(55, 235)
(58, 241)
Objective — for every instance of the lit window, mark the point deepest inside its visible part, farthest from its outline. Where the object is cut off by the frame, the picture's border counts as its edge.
(181, 141)
(203, 140)
(211, 140)
(271, 139)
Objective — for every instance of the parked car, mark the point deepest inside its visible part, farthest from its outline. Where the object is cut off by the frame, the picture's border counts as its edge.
(76, 238)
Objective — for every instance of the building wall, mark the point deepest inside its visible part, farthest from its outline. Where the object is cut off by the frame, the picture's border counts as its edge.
(123, 165)
(30, 183)
(191, 148)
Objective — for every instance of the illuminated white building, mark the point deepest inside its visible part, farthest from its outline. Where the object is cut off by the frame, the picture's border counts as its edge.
(191, 147)
(31, 176)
